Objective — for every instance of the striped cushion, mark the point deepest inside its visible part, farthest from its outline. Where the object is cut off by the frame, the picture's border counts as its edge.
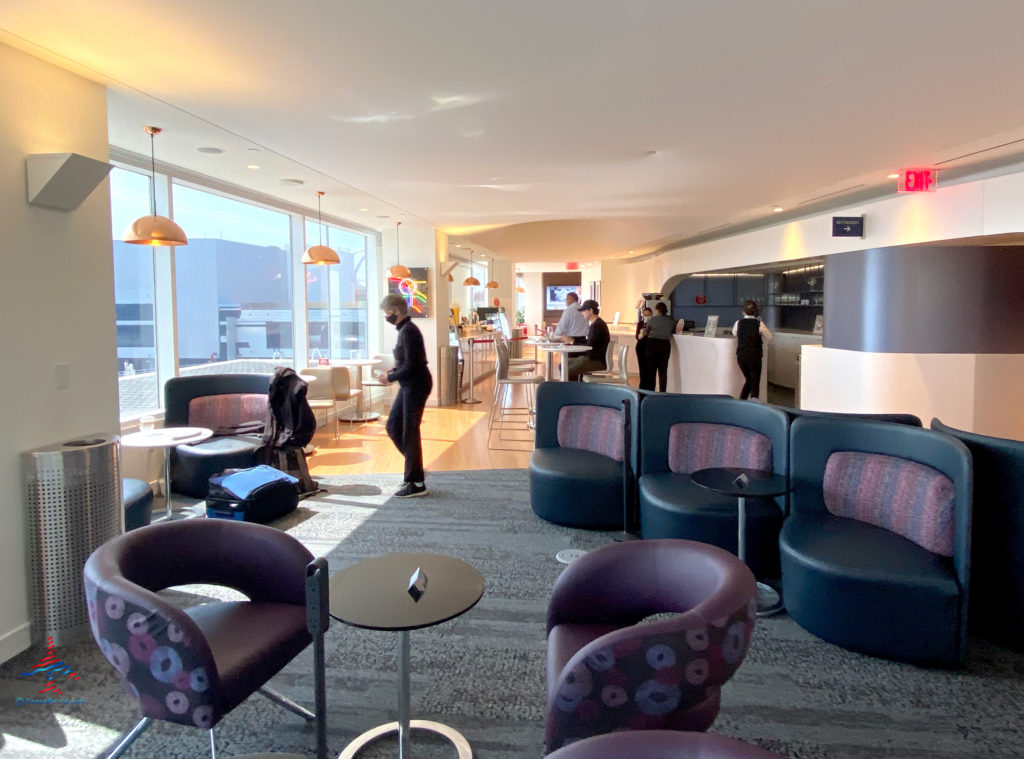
(905, 497)
(229, 410)
(698, 445)
(591, 428)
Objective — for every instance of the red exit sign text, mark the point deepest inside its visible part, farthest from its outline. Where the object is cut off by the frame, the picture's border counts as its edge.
(918, 180)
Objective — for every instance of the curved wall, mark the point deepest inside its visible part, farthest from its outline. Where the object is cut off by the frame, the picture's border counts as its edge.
(926, 299)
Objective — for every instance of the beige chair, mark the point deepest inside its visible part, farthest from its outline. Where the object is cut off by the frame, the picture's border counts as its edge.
(319, 392)
(618, 376)
(515, 365)
(504, 381)
(387, 362)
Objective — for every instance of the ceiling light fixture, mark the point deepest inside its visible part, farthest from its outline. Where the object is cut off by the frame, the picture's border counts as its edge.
(471, 281)
(153, 229)
(492, 284)
(520, 289)
(320, 255)
(398, 271)
(777, 209)
(894, 175)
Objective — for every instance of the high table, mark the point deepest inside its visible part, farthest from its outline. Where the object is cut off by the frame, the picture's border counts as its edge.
(376, 594)
(168, 438)
(742, 484)
(551, 348)
(361, 415)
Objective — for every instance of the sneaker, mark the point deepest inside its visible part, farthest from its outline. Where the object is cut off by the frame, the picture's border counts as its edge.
(411, 490)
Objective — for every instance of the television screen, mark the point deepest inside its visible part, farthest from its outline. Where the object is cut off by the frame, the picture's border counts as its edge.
(555, 296)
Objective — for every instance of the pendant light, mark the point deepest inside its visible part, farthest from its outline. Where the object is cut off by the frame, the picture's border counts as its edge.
(471, 281)
(320, 255)
(493, 284)
(520, 289)
(398, 271)
(153, 229)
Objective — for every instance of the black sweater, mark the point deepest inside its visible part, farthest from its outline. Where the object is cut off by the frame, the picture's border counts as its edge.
(410, 356)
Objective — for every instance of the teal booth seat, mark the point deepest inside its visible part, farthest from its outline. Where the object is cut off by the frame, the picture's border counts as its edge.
(581, 470)
(876, 550)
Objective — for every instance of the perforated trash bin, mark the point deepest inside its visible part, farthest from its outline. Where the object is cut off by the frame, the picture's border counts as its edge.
(73, 505)
(448, 375)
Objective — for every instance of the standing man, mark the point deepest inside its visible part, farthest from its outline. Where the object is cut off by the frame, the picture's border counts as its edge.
(598, 338)
(572, 322)
(751, 334)
(414, 385)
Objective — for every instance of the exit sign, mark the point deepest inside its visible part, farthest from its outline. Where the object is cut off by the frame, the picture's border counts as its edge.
(918, 180)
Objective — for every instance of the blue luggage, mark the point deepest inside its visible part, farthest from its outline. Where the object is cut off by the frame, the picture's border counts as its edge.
(259, 494)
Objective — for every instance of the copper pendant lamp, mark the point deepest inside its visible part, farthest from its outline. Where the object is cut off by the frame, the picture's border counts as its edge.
(398, 271)
(492, 284)
(154, 229)
(471, 281)
(320, 255)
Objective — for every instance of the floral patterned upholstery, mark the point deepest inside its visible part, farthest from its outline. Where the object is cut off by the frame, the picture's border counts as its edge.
(591, 428)
(168, 668)
(608, 673)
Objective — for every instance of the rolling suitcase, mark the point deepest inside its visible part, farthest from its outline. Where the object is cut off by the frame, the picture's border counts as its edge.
(259, 494)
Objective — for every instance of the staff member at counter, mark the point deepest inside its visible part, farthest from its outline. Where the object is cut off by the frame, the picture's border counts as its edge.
(751, 334)
(598, 338)
(643, 313)
(572, 323)
(657, 349)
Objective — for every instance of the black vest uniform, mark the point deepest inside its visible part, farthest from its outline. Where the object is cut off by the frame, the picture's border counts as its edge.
(748, 339)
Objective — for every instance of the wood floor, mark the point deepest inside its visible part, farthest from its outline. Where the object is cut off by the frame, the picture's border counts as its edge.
(454, 438)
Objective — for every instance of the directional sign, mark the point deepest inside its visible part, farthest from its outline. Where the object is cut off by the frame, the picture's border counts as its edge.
(847, 226)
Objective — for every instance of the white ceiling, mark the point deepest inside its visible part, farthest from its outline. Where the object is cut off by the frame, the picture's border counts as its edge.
(552, 130)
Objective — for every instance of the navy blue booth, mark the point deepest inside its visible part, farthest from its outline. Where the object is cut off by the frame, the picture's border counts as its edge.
(876, 549)
(220, 402)
(680, 434)
(577, 475)
(997, 530)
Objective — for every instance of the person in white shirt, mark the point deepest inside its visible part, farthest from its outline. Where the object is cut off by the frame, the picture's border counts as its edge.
(572, 323)
(751, 334)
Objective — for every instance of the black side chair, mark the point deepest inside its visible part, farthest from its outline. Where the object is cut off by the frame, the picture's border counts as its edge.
(876, 550)
(193, 666)
(997, 564)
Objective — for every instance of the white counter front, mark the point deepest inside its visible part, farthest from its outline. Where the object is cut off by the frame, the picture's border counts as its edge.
(701, 364)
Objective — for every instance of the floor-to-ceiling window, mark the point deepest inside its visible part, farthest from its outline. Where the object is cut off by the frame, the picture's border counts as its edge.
(336, 295)
(233, 279)
(133, 297)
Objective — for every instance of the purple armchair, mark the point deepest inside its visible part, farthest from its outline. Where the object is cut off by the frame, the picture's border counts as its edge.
(192, 666)
(608, 673)
(661, 744)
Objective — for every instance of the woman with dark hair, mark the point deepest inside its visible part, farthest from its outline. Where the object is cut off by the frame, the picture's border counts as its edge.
(414, 386)
(751, 334)
(643, 313)
(658, 348)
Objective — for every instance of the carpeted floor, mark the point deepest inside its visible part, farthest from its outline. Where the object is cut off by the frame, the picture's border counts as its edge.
(483, 673)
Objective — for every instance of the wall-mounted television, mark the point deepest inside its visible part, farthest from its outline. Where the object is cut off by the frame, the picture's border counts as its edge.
(554, 296)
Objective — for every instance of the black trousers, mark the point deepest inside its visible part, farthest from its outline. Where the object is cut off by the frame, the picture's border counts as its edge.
(657, 353)
(750, 365)
(646, 377)
(404, 426)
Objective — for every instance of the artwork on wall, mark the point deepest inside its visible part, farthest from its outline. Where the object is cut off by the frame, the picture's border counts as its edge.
(414, 289)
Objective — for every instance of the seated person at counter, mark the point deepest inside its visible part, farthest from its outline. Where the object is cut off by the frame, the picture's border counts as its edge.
(598, 338)
(751, 335)
(572, 322)
(657, 348)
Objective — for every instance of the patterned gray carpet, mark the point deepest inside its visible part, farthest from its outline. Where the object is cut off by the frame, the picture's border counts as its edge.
(483, 673)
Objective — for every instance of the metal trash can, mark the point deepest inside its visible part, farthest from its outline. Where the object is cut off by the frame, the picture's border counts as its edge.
(74, 504)
(448, 375)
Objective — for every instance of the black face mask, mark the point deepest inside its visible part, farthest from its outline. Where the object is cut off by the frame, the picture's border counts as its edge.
(391, 318)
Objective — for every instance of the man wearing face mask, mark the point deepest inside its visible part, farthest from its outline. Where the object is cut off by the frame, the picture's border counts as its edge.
(414, 385)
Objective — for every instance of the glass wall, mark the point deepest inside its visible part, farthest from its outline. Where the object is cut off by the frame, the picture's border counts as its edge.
(339, 291)
(133, 296)
(234, 291)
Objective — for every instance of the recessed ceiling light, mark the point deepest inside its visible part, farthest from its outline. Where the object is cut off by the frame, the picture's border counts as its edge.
(364, 209)
(777, 209)
(894, 175)
(210, 150)
(291, 182)
(458, 245)
(253, 166)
